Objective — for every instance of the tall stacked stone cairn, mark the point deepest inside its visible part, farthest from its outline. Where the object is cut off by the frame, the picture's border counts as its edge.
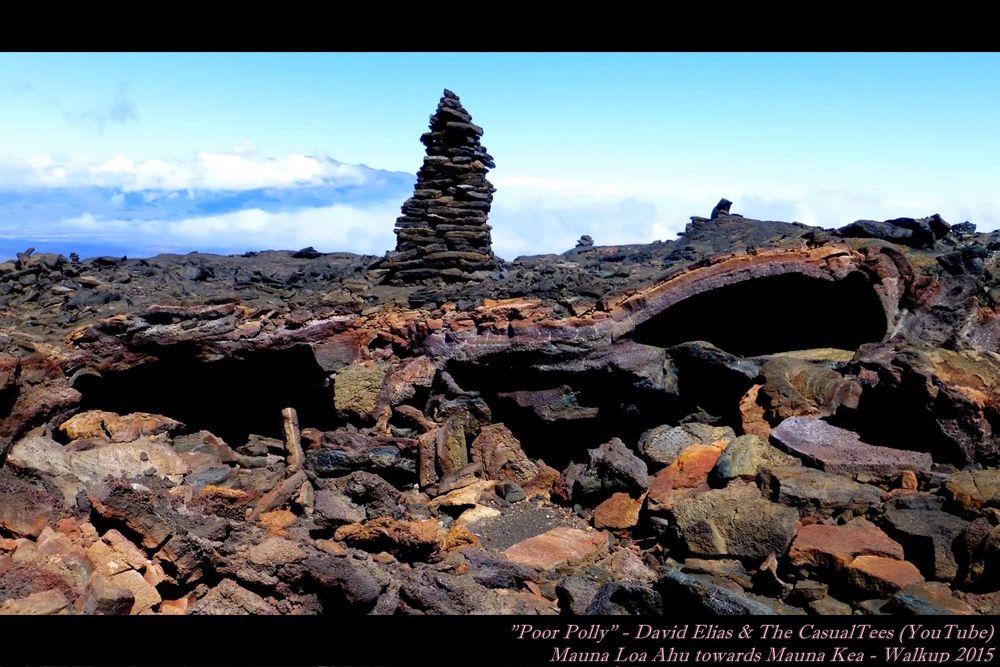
(443, 231)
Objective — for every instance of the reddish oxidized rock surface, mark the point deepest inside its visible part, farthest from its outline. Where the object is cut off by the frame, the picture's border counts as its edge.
(421, 471)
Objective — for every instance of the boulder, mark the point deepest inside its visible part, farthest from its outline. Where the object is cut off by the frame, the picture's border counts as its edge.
(625, 599)
(928, 599)
(929, 538)
(880, 575)
(559, 547)
(102, 425)
(842, 452)
(816, 493)
(663, 444)
(833, 547)
(407, 540)
(794, 387)
(357, 389)
(735, 521)
(619, 512)
(501, 457)
(611, 467)
(746, 456)
(974, 489)
(701, 595)
(685, 477)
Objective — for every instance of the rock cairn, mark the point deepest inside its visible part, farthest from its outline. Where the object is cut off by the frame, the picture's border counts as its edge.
(443, 231)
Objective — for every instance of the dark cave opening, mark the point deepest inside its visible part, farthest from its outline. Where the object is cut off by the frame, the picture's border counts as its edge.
(898, 417)
(773, 314)
(232, 397)
(624, 408)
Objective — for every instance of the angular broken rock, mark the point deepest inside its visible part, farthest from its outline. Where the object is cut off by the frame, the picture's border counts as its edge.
(30, 502)
(558, 547)
(403, 379)
(752, 413)
(358, 388)
(954, 394)
(626, 565)
(929, 537)
(817, 493)
(735, 521)
(618, 512)
(793, 387)
(664, 444)
(334, 509)
(575, 594)
(746, 456)
(229, 598)
(880, 575)
(117, 428)
(686, 476)
(927, 599)
(722, 568)
(407, 540)
(501, 456)
(104, 597)
(842, 452)
(44, 603)
(611, 467)
(699, 593)
(123, 460)
(74, 470)
(450, 447)
(973, 489)
(274, 552)
(145, 596)
(834, 547)
(625, 599)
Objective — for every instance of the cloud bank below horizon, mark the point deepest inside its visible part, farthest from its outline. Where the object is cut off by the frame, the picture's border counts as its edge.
(240, 201)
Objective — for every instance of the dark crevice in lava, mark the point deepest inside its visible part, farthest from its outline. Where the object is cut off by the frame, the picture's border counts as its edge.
(588, 408)
(895, 417)
(231, 398)
(773, 314)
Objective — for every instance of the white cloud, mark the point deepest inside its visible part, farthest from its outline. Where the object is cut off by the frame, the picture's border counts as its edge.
(182, 209)
(235, 171)
(341, 227)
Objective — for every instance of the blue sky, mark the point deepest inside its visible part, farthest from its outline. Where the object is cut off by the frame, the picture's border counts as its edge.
(139, 153)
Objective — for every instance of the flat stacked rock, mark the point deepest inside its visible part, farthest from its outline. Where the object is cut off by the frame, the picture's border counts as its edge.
(443, 231)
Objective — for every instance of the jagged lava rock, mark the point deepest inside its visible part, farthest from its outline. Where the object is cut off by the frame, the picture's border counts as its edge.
(929, 598)
(793, 387)
(700, 594)
(817, 493)
(880, 575)
(611, 467)
(915, 232)
(834, 547)
(625, 599)
(558, 547)
(973, 489)
(735, 521)
(929, 537)
(501, 456)
(746, 456)
(842, 452)
(664, 444)
(617, 512)
(686, 476)
(117, 428)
